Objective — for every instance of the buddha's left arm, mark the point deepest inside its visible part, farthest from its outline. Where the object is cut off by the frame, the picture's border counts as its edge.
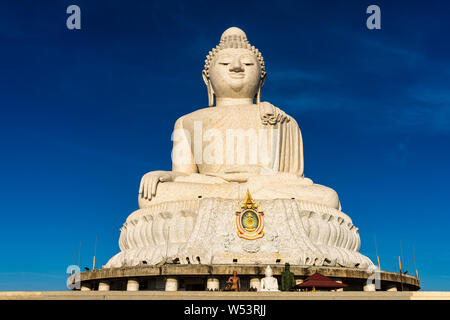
(297, 162)
(182, 156)
(290, 148)
(289, 144)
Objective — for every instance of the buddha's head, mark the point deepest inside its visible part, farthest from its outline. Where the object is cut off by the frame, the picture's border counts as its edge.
(234, 68)
(268, 272)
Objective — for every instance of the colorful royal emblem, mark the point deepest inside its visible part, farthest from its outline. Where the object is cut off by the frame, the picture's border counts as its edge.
(249, 220)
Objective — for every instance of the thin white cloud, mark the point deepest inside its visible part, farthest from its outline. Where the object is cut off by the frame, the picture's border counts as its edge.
(432, 109)
(32, 274)
(384, 46)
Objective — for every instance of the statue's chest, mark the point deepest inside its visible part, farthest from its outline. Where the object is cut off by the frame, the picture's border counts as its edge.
(223, 121)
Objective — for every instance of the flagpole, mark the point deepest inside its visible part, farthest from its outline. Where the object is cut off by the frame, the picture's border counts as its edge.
(79, 256)
(95, 252)
(401, 273)
(376, 250)
(415, 267)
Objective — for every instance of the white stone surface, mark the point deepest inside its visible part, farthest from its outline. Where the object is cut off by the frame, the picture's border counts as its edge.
(171, 284)
(369, 287)
(85, 287)
(236, 144)
(103, 286)
(212, 284)
(132, 285)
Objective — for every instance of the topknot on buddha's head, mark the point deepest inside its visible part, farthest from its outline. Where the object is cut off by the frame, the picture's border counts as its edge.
(235, 36)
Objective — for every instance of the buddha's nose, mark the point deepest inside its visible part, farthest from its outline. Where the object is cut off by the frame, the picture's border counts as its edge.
(236, 66)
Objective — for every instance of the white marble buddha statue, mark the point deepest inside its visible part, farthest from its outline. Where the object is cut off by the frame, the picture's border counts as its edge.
(269, 283)
(237, 144)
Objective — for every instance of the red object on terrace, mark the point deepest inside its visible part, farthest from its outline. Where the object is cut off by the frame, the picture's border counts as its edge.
(318, 280)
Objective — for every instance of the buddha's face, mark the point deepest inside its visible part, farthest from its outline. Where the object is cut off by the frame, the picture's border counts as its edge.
(235, 73)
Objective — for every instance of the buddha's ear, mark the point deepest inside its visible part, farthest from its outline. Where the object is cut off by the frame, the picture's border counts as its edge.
(261, 83)
(205, 78)
(209, 87)
(263, 79)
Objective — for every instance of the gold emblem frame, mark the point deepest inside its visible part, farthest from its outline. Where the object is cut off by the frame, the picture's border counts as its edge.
(248, 206)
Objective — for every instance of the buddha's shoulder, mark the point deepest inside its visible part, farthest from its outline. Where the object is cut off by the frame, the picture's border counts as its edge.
(202, 112)
(195, 115)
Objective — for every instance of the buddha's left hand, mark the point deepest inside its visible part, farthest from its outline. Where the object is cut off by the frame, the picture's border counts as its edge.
(150, 181)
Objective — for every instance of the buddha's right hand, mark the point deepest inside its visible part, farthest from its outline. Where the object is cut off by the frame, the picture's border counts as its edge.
(149, 182)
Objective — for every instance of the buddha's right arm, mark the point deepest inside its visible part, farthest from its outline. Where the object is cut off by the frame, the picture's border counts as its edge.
(182, 156)
(182, 163)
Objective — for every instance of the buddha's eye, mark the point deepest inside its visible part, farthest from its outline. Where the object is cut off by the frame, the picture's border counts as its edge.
(247, 62)
(224, 61)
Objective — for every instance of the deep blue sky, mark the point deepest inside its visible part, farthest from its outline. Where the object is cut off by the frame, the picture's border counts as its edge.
(84, 114)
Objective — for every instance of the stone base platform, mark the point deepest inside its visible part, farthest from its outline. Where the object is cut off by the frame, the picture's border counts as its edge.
(199, 277)
(243, 296)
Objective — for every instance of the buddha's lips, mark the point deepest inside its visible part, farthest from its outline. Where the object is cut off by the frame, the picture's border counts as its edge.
(237, 76)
